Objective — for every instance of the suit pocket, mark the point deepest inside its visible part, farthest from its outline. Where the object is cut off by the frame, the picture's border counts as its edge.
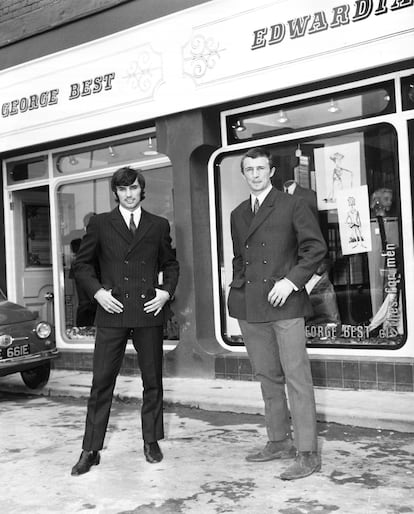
(238, 282)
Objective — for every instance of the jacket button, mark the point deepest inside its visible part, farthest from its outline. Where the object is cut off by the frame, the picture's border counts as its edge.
(265, 261)
(247, 246)
(126, 278)
(263, 244)
(126, 295)
(247, 263)
(249, 281)
(265, 280)
(143, 295)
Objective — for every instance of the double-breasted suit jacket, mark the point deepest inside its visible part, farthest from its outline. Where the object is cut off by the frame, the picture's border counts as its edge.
(129, 265)
(282, 240)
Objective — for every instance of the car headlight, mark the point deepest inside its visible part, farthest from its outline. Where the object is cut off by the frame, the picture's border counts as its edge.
(5, 340)
(43, 330)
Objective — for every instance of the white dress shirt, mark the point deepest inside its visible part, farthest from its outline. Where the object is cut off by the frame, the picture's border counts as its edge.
(261, 197)
(126, 214)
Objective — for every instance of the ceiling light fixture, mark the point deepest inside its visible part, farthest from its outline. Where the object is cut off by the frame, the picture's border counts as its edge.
(333, 106)
(150, 148)
(239, 126)
(73, 161)
(112, 152)
(282, 118)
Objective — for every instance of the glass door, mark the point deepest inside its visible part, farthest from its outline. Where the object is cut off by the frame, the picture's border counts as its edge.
(32, 250)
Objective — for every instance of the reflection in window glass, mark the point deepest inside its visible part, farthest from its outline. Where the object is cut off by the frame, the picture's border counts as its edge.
(105, 155)
(326, 110)
(27, 169)
(77, 202)
(353, 176)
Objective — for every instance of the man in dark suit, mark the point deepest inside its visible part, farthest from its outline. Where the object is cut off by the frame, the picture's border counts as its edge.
(277, 245)
(132, 247)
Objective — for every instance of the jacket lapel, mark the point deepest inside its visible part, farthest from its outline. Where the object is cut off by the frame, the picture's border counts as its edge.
(247, 213)
(143, 226)
(268, 206)
(118, 223)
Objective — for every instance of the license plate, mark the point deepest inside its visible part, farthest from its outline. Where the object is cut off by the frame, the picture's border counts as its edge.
(15, 351)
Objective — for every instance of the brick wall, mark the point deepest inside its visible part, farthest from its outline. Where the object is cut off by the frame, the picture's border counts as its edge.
(20, 19)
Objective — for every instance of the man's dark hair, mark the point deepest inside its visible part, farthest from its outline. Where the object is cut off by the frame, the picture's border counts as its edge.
(125, 177)
(254, 153)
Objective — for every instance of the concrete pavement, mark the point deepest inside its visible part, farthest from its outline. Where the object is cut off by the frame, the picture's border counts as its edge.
(384, 410)
(204, 471)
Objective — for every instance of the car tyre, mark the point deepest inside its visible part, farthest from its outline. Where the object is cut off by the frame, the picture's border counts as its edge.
(36, 378)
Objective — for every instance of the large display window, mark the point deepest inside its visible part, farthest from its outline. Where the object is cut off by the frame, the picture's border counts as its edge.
(77, 202)
(352, 185)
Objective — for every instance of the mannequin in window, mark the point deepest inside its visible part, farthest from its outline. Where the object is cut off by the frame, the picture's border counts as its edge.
(319, 287)
(381, 202)
(293, 188)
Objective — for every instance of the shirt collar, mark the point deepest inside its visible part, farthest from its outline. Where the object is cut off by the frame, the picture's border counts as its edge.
(290, 187)
(126, 214)
(261, 196)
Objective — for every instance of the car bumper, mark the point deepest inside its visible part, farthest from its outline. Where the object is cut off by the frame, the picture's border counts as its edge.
(17, 364)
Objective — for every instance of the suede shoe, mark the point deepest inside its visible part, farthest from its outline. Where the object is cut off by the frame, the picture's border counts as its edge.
(86, 460)
(152, 452)
(274, 450)
(305, 464)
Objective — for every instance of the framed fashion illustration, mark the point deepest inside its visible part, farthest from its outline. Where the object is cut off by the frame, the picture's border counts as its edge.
(337, 167)
(354, 220)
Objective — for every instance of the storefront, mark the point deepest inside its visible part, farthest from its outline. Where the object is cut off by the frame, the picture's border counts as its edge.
(328, 90)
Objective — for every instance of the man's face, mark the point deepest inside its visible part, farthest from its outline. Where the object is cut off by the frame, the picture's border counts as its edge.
(129, 196)
(257, 173)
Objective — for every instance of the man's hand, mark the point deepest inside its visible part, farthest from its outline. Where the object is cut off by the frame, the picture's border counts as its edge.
(108, 302)
(157, 303)
(280, 292)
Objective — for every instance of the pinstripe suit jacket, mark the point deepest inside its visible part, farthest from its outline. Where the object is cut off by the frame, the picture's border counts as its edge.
(282, 240)
(128, 265)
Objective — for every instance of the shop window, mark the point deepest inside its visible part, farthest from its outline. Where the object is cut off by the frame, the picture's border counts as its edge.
(316, 112)
(37, 235)
(77, 202)
(407, 92)
(28, 169)
(356, 293)
(411, 149)
(103, 155)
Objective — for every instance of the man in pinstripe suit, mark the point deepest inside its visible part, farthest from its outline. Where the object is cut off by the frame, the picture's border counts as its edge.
(131, 247)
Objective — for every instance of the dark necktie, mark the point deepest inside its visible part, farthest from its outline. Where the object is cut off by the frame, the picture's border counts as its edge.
(256, 206)
(132, 226)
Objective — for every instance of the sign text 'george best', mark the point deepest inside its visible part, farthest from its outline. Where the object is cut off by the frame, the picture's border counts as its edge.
(92, 86)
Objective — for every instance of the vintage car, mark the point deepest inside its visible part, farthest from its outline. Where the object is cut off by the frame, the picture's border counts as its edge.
(27, 345)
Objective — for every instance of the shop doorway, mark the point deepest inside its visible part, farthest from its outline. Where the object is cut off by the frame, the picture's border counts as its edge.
(33, 255)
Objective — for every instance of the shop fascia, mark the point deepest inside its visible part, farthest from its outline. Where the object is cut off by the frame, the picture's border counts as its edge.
(90, 86)
(321, 21)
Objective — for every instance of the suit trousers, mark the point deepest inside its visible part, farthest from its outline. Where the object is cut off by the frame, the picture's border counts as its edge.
(277, 351)
(107, 360)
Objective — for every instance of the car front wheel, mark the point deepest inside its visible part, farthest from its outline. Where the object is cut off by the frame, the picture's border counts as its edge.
(36, 378)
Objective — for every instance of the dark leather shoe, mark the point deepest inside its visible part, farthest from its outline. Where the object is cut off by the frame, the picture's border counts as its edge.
(86, 460)
(152, 452)
(274, 450)
(305, 464)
